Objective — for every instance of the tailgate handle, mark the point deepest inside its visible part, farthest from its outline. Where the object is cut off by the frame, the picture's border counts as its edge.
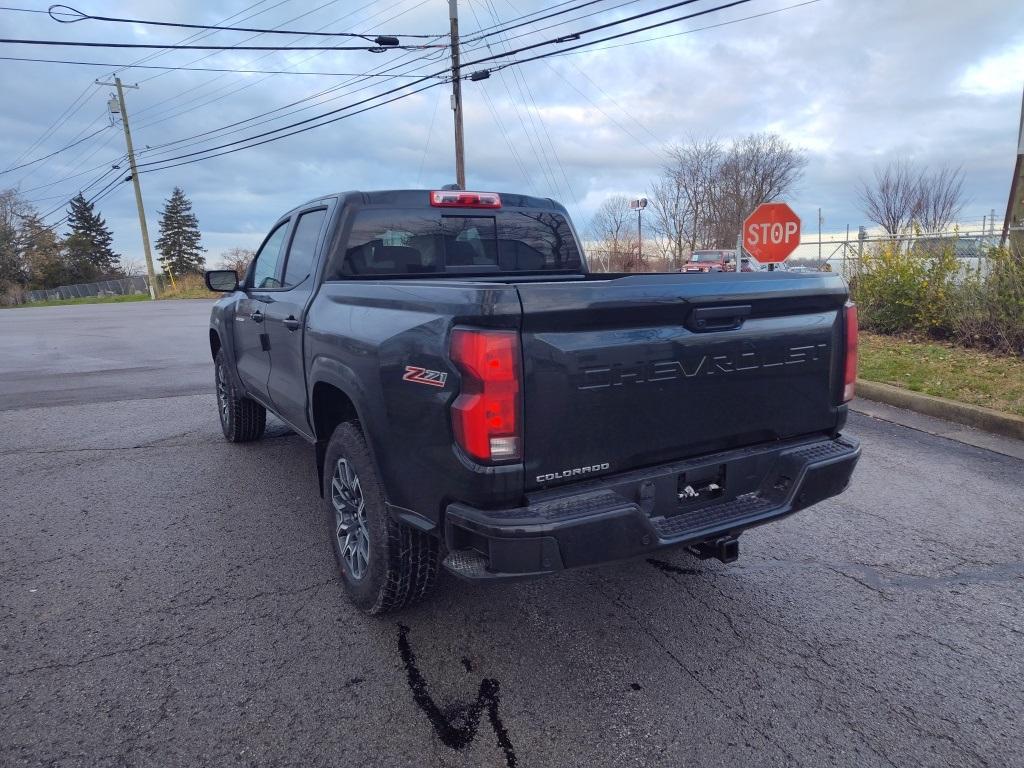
(718, 318)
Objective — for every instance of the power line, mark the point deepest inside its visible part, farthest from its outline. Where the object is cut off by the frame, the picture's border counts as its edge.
(599, 11)
(426, 144)
(542, 18)
(283, 136)
(497, 119)
(529, 131)
(107, 64)
(254, 119)
(577, 35)
(203, 35)
(525, 15)
(79, 16)
(74, 175)
(94, 198)
(395, 62)
(383, 69)
(691, 31)
(524, 87)
(380, 47)
(70, 113)
(55, 152)
(63, 117)
(234, 146)
(416, 82)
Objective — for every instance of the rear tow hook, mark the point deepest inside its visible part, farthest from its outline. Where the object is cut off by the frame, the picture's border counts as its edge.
(725, 549)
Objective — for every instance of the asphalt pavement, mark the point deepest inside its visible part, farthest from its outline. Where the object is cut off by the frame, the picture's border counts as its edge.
(168, 599)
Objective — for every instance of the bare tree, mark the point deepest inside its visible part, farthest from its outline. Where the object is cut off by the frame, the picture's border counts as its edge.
(683, 198)
(237, 259)
(892, 200)
(940, 198)
(903, 197)
(613, 232)
(757, 169)
(132, 267)
(706, 189)
(13, 210)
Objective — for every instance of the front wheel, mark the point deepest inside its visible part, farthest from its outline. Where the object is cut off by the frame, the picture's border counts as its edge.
(384, 566)
(242, 419)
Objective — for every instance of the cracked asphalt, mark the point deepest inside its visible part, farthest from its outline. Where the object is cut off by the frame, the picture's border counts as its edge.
(169, 599)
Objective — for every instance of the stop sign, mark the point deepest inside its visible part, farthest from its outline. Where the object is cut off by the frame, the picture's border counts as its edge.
(771, 232)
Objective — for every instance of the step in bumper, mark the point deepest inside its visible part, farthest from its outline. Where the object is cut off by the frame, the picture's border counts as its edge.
(638, 512)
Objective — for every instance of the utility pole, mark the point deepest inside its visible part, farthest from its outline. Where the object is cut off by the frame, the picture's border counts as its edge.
(135, 182)
(460, 149)
(819, 239)
(639, 204)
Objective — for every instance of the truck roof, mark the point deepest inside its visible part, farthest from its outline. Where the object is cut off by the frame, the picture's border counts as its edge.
(420, 198)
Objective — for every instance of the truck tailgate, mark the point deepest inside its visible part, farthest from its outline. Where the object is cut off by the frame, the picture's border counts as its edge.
(633, 371)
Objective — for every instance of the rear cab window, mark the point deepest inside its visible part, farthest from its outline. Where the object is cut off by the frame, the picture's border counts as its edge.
(425, 241)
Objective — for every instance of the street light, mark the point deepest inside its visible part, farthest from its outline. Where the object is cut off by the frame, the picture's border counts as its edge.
(639, 204)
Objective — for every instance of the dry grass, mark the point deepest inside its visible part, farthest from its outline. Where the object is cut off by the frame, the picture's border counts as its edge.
(944, 370)
(187, 287)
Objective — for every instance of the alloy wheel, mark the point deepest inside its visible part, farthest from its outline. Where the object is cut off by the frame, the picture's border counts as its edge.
(222, 393)
(350, 525)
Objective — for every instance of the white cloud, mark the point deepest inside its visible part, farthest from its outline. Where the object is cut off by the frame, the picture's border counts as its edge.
(999, 74)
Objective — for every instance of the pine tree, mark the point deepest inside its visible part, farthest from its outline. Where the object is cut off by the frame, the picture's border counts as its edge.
(88, 243)
(178, 244)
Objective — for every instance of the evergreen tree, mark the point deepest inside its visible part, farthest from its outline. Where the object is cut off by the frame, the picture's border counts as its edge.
(178, 244)
(88, 243)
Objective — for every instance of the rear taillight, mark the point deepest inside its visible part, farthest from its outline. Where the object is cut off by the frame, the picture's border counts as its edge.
(451, 198)
(850, 372)
(485, 415)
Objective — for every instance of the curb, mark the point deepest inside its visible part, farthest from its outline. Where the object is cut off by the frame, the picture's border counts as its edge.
(985, 419)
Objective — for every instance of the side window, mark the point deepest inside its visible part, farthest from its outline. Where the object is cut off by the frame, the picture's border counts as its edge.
(269, 259)
(302, 251)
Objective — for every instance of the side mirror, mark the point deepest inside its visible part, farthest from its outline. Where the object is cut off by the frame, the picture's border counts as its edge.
(221, 280)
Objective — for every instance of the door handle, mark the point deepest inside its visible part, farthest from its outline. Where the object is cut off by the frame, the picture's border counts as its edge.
(257, 316)
(291, 323)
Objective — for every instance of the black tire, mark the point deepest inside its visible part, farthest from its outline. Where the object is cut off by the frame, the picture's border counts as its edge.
(400, 563)
(242, 419)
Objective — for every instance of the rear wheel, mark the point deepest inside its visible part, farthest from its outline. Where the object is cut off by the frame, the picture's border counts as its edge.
(384, 566)
(241, 418)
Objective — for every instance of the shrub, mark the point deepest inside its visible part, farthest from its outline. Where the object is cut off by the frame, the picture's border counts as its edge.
(901, 290)
(990, 303)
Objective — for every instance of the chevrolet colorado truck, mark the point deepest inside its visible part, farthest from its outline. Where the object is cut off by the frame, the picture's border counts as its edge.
(480, 401)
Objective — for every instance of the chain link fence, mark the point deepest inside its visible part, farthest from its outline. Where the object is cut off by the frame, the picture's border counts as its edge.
(124, 286)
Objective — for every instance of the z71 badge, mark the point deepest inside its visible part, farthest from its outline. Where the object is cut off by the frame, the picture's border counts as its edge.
(419, 375)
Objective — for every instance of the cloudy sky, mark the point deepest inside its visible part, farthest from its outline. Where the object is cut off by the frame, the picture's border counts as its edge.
(855, 84)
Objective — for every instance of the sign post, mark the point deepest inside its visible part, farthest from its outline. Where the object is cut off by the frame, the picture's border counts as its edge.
(770, 234)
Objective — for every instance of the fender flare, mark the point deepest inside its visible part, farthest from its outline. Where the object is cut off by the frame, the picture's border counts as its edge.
(328, 370)
(227, 344)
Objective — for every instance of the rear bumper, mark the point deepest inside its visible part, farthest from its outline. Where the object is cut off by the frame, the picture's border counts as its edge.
(638, 512)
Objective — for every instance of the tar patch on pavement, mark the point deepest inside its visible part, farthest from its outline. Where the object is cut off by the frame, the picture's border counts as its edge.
(661, 565)
(456, 736)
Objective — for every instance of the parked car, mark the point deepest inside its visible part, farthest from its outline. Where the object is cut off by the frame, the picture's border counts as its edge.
(708, 261)
(479, 401)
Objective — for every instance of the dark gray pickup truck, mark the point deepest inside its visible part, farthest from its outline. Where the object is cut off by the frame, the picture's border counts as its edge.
(480, 401)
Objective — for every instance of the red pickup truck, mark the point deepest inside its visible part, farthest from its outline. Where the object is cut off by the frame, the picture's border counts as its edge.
(715, 261)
